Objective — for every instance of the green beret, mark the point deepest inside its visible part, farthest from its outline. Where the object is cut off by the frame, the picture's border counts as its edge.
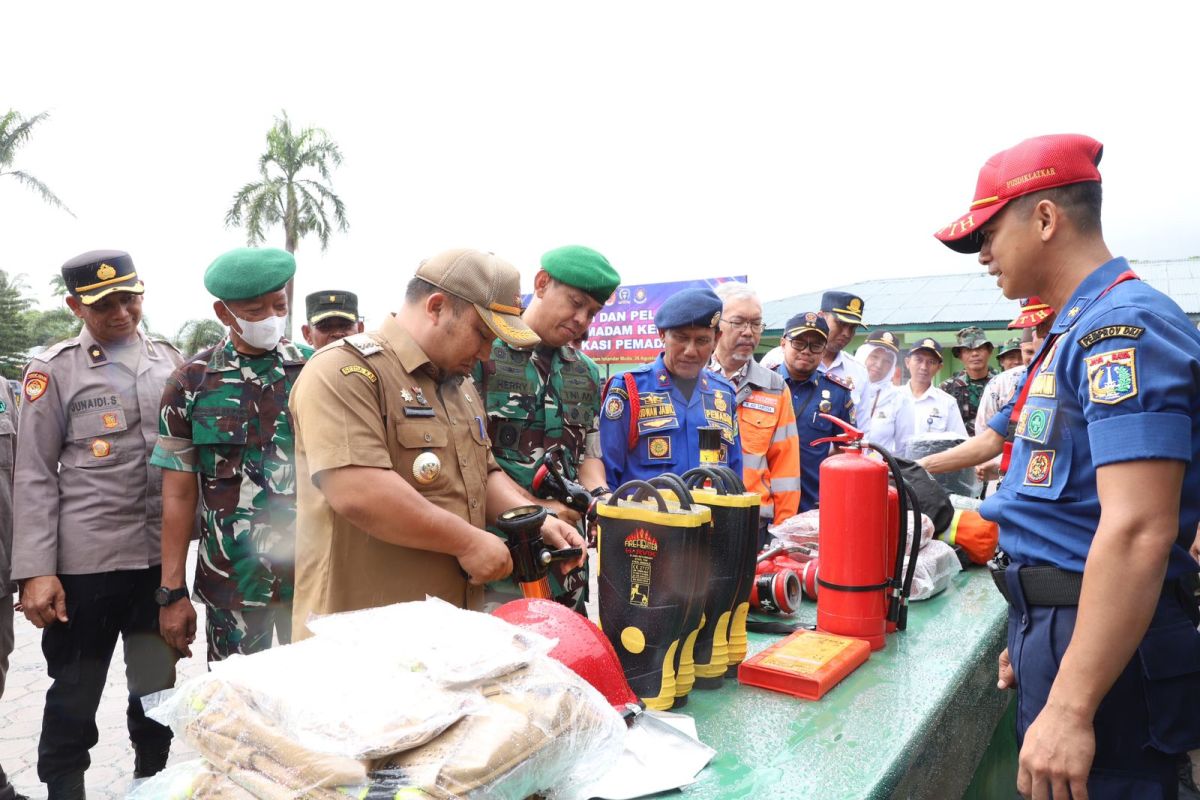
(249, 272)
(583, 268)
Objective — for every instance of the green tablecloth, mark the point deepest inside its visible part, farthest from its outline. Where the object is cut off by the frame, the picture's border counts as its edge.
(911, 722)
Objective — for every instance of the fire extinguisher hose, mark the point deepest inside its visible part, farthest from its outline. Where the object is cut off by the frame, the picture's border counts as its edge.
(901, 586)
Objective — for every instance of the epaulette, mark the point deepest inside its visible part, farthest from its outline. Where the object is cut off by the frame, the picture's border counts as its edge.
(840, 381)
(166, 342)
(57, 349)
(364, 343)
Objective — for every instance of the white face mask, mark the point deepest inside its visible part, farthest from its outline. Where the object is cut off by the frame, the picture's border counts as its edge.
(264, 333)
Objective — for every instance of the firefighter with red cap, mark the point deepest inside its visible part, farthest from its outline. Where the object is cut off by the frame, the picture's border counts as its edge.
(1095, 522)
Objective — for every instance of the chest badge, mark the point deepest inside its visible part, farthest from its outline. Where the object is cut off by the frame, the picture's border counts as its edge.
(101, 448)
(426, 468)
(825, 406)
(420, 395)
(719, 402)
(659, 447)
(406, 395)
(110, 420)
(1040, 471)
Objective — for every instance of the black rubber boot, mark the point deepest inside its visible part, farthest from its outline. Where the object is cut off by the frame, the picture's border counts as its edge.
(66, 787)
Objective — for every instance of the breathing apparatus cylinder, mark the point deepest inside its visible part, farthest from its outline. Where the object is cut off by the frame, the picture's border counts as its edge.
(646, 581)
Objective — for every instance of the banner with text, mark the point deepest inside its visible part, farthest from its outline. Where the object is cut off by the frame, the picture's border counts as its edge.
(623, 331)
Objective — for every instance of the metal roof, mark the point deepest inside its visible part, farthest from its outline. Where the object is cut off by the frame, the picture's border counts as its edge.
(935, 301)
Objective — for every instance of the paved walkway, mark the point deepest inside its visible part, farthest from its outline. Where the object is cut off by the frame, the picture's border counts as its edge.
(21, 715)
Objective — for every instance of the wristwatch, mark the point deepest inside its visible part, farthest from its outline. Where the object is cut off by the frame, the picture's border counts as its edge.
(165, 597)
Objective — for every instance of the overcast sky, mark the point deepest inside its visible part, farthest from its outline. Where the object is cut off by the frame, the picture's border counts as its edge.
(807, 145)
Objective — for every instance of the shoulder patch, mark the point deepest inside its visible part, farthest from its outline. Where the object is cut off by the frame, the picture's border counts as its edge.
(1110, 332)
(359, 369)
(844, 382)
(614, 406)
(1112, 376)
(36, 384)
(364, 343)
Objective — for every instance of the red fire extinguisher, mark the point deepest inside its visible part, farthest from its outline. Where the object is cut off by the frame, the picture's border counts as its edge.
(861, 586)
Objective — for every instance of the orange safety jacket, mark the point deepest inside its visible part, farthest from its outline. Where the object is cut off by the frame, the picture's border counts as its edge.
(770, 443)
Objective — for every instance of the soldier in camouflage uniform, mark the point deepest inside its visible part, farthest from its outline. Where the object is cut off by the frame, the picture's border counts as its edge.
(550, 395)
(225, 416)
(966, 386)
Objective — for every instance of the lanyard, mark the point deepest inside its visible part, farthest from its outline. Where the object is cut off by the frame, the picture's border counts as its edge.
(1031, 373)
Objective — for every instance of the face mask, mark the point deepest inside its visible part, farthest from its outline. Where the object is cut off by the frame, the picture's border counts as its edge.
(263, 334)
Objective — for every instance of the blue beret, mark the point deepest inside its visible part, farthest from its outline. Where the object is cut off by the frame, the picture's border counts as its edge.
(691, 307)
(249, 272)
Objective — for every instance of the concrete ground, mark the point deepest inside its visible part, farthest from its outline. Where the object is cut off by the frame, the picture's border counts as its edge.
(21, 715)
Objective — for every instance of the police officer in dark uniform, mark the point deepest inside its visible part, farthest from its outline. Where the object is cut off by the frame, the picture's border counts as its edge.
(813, 393)
(330, 314)
(650, 414)
(1098, 503)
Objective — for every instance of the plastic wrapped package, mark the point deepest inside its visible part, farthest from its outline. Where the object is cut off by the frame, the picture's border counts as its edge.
(544, 729)
(926, 533)
(430, 639)
(799, 530)
(962, 481)
(937, 563)
(332, 716)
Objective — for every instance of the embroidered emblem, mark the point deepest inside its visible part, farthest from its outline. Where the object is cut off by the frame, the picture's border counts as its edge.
(652, 424)
(1044, 385)
(106, 272)
(719, 402)
(359, 369)
(1112, 376)
(1040, 471)
(96, 354)
(662, 377)
(614, 407)
(855, 305)
(716, 317)
(110, 420)
(35, 385)
(659, 447)
(1034, 424)
(1110, 332)
(101, 448)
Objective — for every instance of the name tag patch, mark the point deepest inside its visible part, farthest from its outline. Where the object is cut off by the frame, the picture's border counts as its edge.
(759, 406)
(1044, 385)
(1040, 471)
(359, 369)
(1112, 376)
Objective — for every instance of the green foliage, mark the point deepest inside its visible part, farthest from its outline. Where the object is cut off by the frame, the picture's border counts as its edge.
(198, 334)
(52, 326)
(14, 334)
(284, 195)
(14, 132)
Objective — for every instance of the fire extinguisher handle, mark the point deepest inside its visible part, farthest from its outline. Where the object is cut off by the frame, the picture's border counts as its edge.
(850, 433)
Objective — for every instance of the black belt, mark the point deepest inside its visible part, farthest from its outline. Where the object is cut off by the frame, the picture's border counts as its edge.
(1043, 585)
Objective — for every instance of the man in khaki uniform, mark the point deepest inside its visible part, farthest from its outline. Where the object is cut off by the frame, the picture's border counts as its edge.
(88, 515)
(396, 477)
(8, 446)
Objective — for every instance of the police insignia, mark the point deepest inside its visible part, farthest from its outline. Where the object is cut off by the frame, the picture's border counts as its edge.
(1112, 376)
(406, 395)
(106, 272)
(358, 369)
(614, 407)
(96, 354)
(1040, 471)
(1110, 332)
(426, 467)
(659, 447)
(110, 420)
(101, 448)
(35, 385)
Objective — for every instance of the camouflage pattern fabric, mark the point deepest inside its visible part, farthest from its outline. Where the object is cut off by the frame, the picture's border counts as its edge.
(967, 393)
(527, 414)
(225, 416)
(244, 632)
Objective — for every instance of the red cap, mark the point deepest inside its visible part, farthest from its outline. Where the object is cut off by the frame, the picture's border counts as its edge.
(1033, 311)
(1044, 162)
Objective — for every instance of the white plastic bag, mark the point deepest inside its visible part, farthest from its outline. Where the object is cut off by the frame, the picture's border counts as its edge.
(937, 563)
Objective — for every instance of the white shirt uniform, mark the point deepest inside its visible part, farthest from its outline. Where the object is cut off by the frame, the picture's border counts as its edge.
(877, 416)
(852, 371)
(934, 411)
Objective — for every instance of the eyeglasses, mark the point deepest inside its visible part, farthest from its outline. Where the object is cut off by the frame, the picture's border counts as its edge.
(756, 325)
(800, 346)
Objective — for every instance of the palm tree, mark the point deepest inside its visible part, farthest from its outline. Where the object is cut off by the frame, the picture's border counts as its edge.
(198, 334)
(14, 132)
(283, 196)
(58, 286)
